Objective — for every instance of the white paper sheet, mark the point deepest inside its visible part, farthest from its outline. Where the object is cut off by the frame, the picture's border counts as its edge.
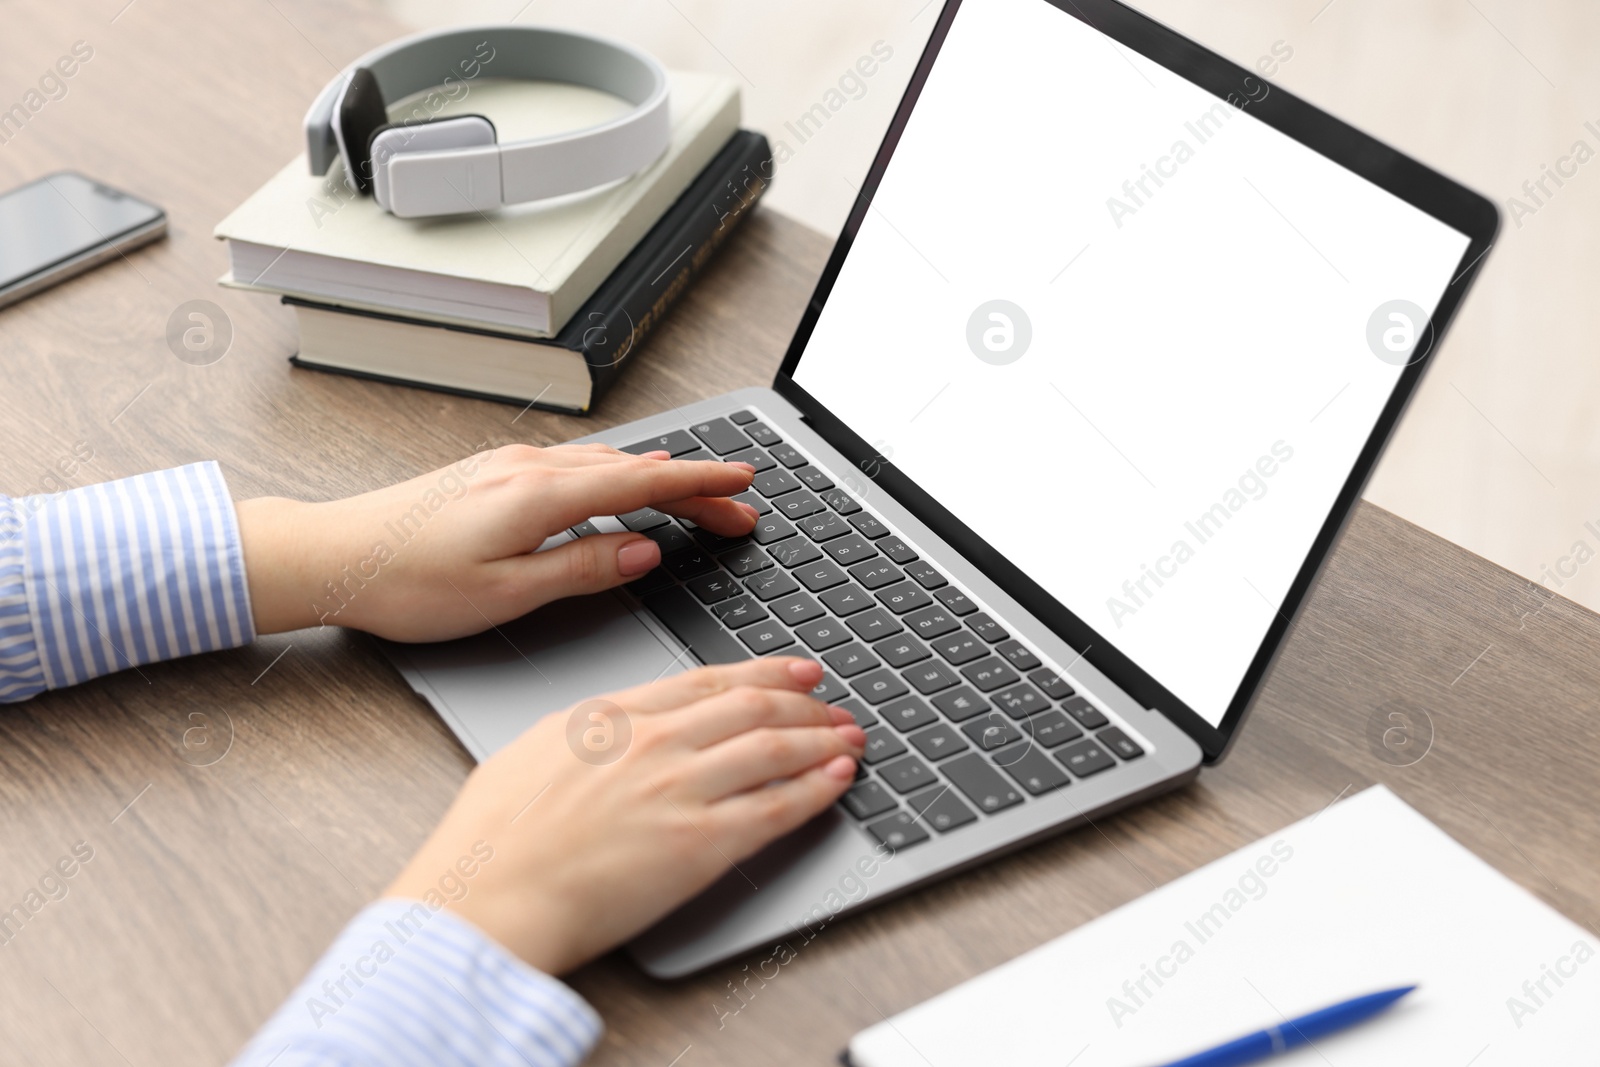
(1365, 896)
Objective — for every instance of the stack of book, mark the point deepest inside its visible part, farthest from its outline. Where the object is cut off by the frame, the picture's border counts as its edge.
(539, 303)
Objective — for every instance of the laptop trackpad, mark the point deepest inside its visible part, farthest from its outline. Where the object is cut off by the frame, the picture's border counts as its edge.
(491, 687)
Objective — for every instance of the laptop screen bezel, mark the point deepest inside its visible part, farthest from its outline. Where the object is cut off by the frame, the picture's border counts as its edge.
(1451, 203)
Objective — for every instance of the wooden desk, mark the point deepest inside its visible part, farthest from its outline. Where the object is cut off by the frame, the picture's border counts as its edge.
(212, 888)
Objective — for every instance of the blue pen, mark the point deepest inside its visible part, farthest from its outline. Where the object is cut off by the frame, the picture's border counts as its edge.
(1294, 1032)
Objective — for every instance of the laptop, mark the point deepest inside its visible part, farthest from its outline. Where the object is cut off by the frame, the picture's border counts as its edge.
(1114, 335)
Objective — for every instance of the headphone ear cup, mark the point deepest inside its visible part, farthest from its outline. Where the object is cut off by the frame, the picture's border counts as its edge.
(424, 135)
(362, 113)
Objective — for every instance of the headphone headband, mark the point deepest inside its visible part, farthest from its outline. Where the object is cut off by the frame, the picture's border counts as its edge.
(456, 165)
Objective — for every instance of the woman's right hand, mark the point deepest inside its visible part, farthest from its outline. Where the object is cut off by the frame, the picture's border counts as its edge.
(716, 763)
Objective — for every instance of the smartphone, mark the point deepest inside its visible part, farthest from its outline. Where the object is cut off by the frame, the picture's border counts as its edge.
(64, 224)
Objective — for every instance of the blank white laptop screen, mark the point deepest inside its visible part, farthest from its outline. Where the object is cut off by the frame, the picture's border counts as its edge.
(1132, 336)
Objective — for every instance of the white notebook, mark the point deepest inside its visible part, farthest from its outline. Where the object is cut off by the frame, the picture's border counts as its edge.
(522, 269)
(1368, 895)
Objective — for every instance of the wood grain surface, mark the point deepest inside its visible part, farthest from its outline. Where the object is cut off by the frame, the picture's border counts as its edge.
(224, 863)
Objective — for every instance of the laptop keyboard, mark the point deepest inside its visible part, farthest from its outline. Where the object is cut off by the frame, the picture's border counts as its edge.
(963, 720)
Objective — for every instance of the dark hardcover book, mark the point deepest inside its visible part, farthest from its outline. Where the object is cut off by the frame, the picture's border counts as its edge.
(570, 371)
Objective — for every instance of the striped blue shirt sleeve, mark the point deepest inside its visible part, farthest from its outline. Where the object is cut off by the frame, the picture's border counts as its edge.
(116, 575)
(408, 985)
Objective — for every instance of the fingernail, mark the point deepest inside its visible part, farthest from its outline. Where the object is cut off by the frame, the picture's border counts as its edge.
(748, 510)
(840, 768)
(742, 465)
(839, 715)
(637, 557)
(806, 671)
(853, 734)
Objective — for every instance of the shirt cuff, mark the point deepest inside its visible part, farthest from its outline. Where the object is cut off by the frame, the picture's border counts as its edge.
(406, 983)
(116, 575)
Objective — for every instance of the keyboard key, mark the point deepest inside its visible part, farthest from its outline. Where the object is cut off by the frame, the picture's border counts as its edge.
(677, 442)
(932, 621)
(797, 505)
(689, 563)
(755, 500)
(876, 573)
(756, 457)
(716, 543)
(931, 677)
(926, 574)
(847, 599)
(896, 549)
(992, 731)
(1086, 714)
(907, 774)
(903, 597)
(1052, 684)
(1051, 729)
(880, 685)
(819, 576)
(762, 434)
(671, 538)
(960, 704)
(654, 580)
(814, 479)
(794, 551)
(771, 528)
(823, 526)
(744, 561)
(796, 608)
(770, 585)
(775, 482)
(874, 624)
(643, 519)
(866, 799)
(1034, 772)
(721, 436)
(981, 783)
(740, 611)
(841, 501)
(851, 660)
(829, 689)
(901, 650)
(849, 549)
(741, 418)
(957, 601)
(823, 634)
(960, 647)
(585, 529)
(882, 745)
(765, 637)
(908, 713)
(898, 831)
(694, 626)
(1120, 743)
(987, 628)
(710, 588)
(789, 456)
(868, 525)
(1020, 700)
(989, 674)
(863, 717)
(938, 742)
(1017, 654)
(940, 809)
(699, 455)
(1084, 758)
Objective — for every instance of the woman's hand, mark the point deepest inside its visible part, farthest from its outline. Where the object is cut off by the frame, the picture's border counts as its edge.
(582, 856)
(453, 552)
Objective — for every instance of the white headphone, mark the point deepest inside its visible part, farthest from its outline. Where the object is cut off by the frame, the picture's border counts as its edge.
(448, 166)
